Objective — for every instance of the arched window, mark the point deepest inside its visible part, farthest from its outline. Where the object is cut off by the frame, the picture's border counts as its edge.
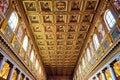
(91, 48)
(32, 55)
(96, 42)
(36, 64)
(25, 43)
(109, 19)
(13, 20)
(39, 70)
(88, 54)
(83, 62)
(79, 69)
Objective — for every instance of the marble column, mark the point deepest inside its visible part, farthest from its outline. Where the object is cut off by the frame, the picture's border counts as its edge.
(97, 78)
(2, 63)
(11, 73)
(18, 77)
(24, 78)
(103, 75)
(112, 72)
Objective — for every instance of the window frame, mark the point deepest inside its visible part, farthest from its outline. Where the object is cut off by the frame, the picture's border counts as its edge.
(13, 21)
(111, 15)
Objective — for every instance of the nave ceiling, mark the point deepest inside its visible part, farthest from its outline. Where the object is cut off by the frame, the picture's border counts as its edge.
(60, 28)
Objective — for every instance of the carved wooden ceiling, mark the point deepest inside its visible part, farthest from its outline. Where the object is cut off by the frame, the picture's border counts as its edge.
(60, 28)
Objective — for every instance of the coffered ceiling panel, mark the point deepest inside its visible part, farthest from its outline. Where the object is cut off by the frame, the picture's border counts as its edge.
(60, 28)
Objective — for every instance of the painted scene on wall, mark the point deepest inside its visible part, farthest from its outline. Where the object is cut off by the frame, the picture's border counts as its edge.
(117, 5)
(4, 5)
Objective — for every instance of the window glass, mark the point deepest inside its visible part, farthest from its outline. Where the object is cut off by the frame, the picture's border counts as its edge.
(36, 64)
(83, 63)
(13, 20)
(110, 20)
(91, 48)
(79, 69)
(39, 70)
(96, 42)
(88, 54)
(25, 43)
(32, 55)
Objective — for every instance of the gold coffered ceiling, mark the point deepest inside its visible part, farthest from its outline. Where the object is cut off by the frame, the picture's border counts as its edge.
(60, 28)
